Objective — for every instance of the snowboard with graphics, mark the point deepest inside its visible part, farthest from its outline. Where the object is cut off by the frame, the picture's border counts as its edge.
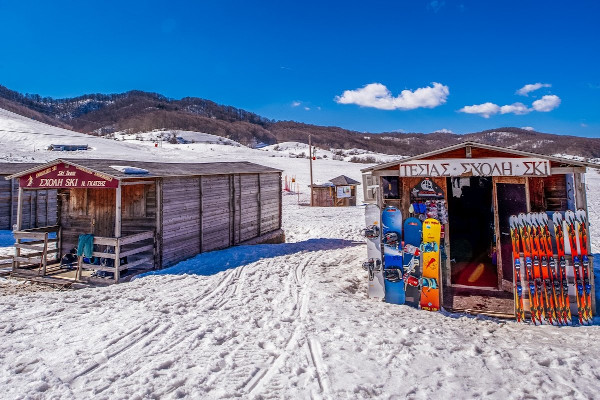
(391, 222)
(430, 291)
(413, 232)
(374, 265)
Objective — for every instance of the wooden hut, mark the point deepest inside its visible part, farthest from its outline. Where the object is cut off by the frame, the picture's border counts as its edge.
(39, 207)
(481, 186)
(337, 192)
(148, 215)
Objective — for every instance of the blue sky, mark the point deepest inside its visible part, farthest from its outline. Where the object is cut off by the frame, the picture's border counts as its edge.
(369, 66)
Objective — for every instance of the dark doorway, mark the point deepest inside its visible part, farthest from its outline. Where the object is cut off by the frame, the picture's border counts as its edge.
(511, 201)
(472, 241)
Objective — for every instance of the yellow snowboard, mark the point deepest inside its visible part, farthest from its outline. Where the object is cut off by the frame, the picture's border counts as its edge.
(430, 291)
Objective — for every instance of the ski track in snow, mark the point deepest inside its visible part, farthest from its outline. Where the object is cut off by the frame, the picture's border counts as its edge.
(276, 321)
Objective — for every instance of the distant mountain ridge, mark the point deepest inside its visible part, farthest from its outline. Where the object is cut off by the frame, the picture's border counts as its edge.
(137, 111)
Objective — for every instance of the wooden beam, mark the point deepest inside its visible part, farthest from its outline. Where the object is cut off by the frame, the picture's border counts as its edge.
(159, 225)
(387, 172)
(19, 210)
(567, 170)
(130, 183)
(118, 212)
(117, 257)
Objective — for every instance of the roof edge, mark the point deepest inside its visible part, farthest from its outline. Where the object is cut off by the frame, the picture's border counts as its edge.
(483, 146)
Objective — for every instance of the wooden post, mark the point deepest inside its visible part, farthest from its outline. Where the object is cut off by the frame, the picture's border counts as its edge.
(17, 226)
(45, 254)
(12, 203)
(118, 213)
(19, 209)
(311, 171)
(117, 259)
(79, 268)
(118, 233)
(158, 234)
(260, 208)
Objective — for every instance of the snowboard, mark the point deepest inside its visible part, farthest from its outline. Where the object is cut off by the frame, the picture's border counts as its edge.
(373, 265)
(391, 222)
(413, 232)
(430, 291)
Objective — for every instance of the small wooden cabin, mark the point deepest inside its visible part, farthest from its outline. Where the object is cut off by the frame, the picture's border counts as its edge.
(39, 207)
(481, 186)
(337, 192)
(147, 215)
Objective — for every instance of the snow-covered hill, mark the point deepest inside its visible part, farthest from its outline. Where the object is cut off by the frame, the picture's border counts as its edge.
(276, 321)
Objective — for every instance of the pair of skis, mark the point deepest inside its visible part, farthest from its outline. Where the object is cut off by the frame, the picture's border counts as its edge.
(547, 281)
(576, 223)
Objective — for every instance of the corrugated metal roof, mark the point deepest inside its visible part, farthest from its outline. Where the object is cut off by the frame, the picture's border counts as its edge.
(482, 146)
(156, 169)
(13, 168)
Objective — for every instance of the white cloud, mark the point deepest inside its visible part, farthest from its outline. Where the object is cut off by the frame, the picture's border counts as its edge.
(525, 90)
(378, 96)
(296, 103)
(443, 131)
(546, 103)
(485, 109)
(528, 128)
(436, 5)
(307, 108)
(515, 108)
(584, 125)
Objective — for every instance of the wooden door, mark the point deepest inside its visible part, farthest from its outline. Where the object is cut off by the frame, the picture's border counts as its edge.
(510, 199)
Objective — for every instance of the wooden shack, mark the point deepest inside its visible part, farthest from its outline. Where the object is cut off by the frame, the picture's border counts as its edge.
(481, 186)
(337, 192)
(39, 207)
(148, 215)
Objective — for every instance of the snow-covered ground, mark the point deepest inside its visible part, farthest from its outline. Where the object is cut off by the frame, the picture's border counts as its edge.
(279, 321)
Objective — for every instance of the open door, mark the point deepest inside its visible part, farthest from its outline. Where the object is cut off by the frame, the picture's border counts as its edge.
(511, 200)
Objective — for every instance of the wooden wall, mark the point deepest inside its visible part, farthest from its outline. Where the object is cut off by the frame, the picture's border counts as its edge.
(39, 206)
(205, 213)
(93, 211)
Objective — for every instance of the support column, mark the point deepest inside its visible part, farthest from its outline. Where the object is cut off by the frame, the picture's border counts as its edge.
(118, 233)
(17, 226)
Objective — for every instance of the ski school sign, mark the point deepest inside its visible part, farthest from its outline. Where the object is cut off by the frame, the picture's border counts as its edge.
(62, 176)
(476, 167)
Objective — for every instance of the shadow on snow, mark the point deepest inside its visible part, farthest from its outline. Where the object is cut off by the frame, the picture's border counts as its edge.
(220, 260)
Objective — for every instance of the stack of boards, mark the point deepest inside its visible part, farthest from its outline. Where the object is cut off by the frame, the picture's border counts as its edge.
(546, 280)
(403, 258)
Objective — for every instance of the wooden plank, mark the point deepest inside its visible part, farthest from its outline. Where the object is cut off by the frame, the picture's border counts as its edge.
(105, 241)
(567, 170)
(137, 250)
(136, 238)
(147, 260)
(33, 260)
(29, 235)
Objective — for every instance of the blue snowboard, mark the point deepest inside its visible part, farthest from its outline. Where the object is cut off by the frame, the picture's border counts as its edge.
(391, 222)
(413, 230)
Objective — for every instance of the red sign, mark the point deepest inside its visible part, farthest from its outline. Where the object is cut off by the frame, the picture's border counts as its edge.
(66, 176)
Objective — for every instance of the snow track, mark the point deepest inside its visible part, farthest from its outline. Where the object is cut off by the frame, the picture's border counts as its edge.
(282, 321)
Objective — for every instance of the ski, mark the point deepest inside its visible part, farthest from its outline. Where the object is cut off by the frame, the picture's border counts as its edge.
(518, 289)
(551, 283)
(581, 225)
(579, 295)
(539, 270)
(373, 265)
(557, 221)
(430, 292)
(524, 231)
